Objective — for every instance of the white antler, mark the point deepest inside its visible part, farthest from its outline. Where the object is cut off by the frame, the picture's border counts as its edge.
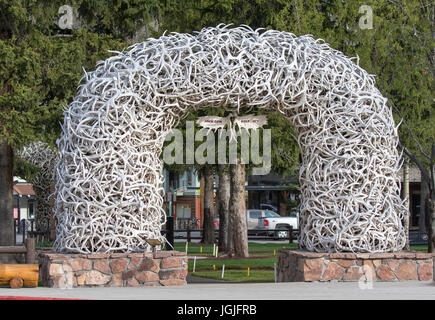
(109, 185)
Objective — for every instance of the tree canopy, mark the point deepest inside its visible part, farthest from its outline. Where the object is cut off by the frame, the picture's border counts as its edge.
(398, 47)
(41, 64)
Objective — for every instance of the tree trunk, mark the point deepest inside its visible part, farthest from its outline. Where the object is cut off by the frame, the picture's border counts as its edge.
(431, 240)
(431, 203)
(424, 194)
(238, 210)
(406, 198)
(6, 196)
(201, 200)
(209, 210)
(223, 202)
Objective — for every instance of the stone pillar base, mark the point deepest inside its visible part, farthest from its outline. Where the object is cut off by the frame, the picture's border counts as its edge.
(161, 268)
(299, 266)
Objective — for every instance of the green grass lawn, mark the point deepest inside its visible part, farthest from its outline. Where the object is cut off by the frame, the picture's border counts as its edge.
(261, 263)
(238, 264)
(254, 248)
(44, 244)
(420, 247)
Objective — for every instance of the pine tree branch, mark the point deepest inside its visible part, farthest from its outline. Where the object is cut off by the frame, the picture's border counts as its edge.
(409, 130)
(414, 159)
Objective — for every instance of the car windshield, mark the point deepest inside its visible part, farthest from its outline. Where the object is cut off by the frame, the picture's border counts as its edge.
(271, 214)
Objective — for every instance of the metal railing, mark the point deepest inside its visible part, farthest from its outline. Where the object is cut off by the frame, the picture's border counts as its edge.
(26, 228)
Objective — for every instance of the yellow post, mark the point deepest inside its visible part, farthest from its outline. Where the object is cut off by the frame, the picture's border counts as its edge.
(248, 271)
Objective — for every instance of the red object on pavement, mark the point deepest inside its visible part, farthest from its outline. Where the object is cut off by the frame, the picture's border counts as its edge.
(32, 298)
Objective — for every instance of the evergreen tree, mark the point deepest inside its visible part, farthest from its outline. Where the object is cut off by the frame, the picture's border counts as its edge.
(43, 51)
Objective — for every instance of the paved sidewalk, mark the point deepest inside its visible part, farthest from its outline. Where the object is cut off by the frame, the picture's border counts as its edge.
(234, 291)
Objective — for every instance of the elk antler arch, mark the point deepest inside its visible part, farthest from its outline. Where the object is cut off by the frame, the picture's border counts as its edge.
(109, 181)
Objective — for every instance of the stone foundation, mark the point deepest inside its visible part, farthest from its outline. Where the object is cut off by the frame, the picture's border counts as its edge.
(161, 268)
(297, 265)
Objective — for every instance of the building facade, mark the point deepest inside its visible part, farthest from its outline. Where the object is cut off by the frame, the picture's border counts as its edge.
(24, 201)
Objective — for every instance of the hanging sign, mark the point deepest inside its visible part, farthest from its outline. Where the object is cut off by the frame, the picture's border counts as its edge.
(243, 122)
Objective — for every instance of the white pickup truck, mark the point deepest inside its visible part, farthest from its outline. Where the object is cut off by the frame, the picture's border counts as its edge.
(273, 221)
(259, 220)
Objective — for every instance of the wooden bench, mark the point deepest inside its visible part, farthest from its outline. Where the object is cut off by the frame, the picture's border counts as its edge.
(19, 275)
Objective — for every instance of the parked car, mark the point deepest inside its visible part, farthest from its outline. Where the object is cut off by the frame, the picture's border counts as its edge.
(273, 221)
(252, 216)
